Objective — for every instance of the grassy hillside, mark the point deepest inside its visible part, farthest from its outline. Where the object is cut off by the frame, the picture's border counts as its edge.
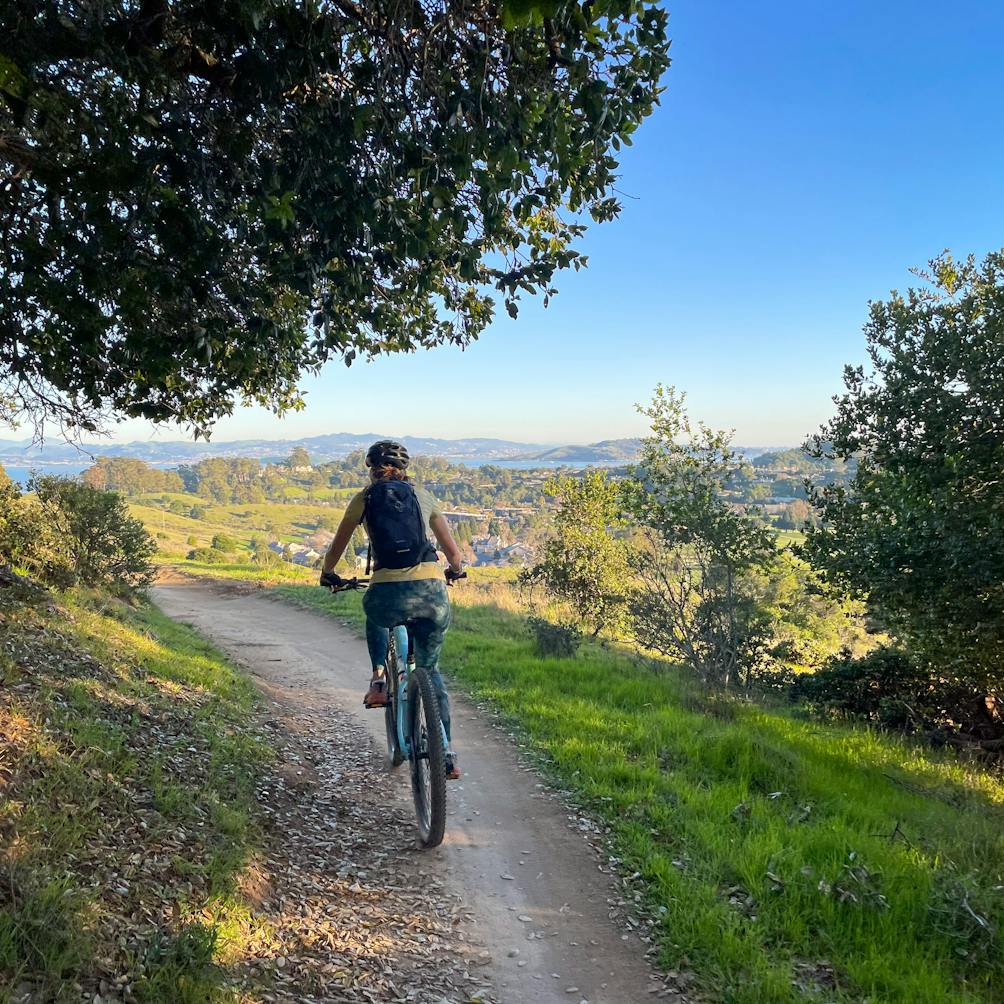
(242, 521)
(785, 859)
(127, 771)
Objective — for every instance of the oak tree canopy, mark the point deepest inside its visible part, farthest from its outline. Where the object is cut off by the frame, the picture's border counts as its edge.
(200, 202)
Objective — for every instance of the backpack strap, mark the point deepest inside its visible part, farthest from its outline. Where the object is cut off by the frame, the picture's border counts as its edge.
(362, 519)
(366, 501)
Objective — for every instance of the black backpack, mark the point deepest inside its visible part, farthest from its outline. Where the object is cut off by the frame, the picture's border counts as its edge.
(395, 525)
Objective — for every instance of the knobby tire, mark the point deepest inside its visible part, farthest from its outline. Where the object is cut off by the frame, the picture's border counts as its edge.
(428, 772)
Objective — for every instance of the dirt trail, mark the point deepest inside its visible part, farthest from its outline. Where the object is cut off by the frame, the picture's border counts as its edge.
(537, 898)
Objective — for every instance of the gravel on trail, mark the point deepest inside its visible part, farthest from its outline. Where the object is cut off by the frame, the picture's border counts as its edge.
(520, 905)
(352, 911)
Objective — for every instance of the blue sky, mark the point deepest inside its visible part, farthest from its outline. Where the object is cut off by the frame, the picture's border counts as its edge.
(805, 156)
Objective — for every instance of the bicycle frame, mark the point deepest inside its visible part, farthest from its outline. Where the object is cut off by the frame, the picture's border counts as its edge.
(402, 667)
(428, 780)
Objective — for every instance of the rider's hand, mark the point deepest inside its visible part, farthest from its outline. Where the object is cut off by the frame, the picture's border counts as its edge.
(453, 574)
(331, 581)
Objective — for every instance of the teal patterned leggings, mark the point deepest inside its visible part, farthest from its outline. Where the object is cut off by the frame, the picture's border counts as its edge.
(425, 608)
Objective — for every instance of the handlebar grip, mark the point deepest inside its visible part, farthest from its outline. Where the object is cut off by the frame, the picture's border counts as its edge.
(334, 582)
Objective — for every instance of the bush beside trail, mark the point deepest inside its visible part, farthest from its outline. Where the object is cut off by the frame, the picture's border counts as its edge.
(63, 533)
(896, 690)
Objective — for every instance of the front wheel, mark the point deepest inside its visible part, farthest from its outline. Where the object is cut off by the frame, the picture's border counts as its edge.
(428, 760)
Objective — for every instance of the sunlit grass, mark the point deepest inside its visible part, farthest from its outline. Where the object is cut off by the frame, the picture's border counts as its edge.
(278, 572)
(772, 848)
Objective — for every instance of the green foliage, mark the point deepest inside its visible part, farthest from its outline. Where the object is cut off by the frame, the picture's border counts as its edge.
(795, 461)
(80, 756)
(809, 623)
(696, 599)
(891, 687)
(222, 174)
(209, 556)
(919, 531)
(554, 640)
(129, 476)
(261, 554)
(65, 533)
(796, 516)
(222, 542)
(882, 686)
(585, 563)
(36, 928)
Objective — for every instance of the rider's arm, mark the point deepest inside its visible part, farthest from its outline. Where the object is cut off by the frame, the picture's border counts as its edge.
(342, 537)
(446, 542)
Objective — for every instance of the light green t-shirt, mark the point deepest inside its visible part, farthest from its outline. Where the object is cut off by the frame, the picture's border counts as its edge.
(430, 510)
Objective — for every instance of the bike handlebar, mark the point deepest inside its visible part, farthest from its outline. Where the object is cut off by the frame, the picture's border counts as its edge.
(336, 584)
(329, 580)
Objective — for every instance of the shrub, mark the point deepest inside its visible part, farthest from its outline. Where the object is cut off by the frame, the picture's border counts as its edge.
(782, 680)
(209, 555)
(261, 554)
(65, 533)
(560, 641)
(919, 529)
(585, 563)
(193, 541)
(890, 687)
(224, 543)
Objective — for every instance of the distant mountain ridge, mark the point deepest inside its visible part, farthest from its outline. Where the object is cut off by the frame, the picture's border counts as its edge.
(334, 446)
(607, 451)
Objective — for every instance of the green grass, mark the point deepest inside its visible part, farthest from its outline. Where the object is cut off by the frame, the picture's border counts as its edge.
(776, 851)
(788, 538)
(129, 769)
(278, 572)
(289, 521)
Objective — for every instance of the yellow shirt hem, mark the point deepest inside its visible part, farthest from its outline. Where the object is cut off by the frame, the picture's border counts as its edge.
(426, 570)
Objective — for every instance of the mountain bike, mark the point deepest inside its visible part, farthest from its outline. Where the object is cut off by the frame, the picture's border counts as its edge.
(414, 727)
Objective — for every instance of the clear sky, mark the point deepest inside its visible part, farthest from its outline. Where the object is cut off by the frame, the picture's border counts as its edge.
(804, 157)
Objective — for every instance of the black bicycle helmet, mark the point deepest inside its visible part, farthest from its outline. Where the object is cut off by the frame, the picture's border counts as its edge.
(386, 451)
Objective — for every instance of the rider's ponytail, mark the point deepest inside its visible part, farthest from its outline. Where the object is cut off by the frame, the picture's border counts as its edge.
(388, 472)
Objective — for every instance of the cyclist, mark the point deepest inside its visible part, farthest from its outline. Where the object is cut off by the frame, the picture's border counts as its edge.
(407, 584)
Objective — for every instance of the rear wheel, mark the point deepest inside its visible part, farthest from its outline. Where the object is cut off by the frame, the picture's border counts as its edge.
(428, 763)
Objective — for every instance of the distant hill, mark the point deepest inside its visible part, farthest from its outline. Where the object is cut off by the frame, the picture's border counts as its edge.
(607, 451)
(333, 446)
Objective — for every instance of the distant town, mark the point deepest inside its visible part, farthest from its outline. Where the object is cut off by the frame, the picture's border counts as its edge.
(286, 509)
